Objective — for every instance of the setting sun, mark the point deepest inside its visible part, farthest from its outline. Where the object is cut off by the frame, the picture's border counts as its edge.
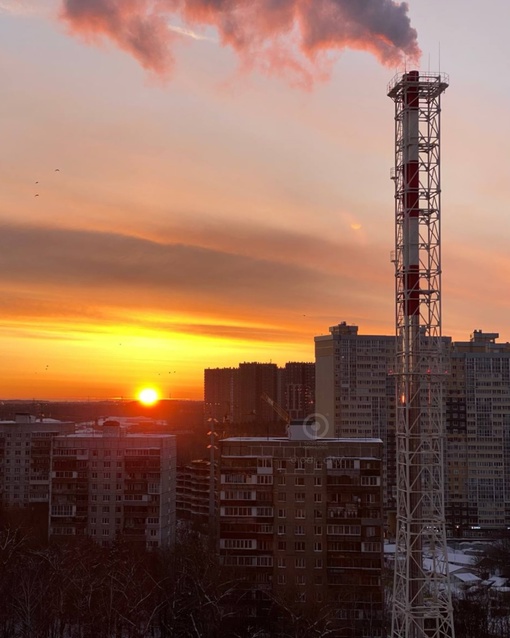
(148, 396)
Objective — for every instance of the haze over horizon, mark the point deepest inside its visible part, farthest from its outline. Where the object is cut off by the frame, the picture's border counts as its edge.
(223, 192)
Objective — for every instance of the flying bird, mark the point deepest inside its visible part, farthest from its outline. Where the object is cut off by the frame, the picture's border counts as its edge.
(57, 170)
(36, 195)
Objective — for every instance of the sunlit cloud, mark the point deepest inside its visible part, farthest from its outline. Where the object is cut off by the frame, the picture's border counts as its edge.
(191, 34)
(22, 7)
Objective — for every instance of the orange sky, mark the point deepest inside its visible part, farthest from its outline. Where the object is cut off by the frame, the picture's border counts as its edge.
(222, 213)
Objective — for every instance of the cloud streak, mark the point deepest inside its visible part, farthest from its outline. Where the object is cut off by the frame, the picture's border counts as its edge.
(282, 36)
(106, 278)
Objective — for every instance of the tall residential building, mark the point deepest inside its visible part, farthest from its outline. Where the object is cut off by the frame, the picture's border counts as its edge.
(303, 519)
(219, 393)
(107, 484)
(234, 395)
(355, 390)
(25, 459)
(478, 436)
(296, 393)
(255, 379)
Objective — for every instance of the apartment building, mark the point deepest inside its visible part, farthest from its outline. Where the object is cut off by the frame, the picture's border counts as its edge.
(303, 517)
(355, 391)
(234, 395)
(478, 436)
(25, 459)
(296, 389)
(193, 482)
(109, 483)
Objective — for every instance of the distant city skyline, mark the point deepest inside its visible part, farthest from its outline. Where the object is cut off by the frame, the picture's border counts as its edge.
(223, 214)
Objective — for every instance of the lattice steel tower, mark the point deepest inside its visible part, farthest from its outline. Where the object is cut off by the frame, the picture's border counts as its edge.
(421, 594)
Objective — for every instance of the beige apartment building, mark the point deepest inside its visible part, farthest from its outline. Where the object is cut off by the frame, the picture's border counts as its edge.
(110, 483)
(25, 459)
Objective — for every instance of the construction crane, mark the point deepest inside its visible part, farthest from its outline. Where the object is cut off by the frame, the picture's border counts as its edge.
(283, 414)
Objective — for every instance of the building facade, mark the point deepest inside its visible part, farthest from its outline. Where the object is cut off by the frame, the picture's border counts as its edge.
(296, 389)
(303, 518)
(478, 436)
(109, 484)
(25, 459)
(234, 395)
(193, 482)
(355, 391)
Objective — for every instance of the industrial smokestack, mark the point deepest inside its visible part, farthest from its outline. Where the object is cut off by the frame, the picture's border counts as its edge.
(282, 35)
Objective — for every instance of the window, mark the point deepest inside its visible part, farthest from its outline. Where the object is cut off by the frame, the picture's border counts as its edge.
(300, 513)
(282, 513)
(299, 480)
(238, 543)
(282, 546)
(300, 563)
(318, 563)
(299, 546)
(344, 530)
(299, 530)
(299, 497)
(106, 520)
(236, 511)
(318, 481)
(106, 532)
(281, 530)
(282, 496)
(282, 562)
(300, 579)
(317, 498)
(282, 579)
(370, 480)
(317, 547)
(317, 530)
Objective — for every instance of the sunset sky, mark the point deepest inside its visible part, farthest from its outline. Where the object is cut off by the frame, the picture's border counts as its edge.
(223, 192)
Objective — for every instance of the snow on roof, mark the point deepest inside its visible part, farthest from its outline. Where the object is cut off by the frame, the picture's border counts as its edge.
(468, 578)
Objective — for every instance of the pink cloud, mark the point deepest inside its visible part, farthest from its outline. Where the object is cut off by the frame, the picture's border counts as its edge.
(291, 37)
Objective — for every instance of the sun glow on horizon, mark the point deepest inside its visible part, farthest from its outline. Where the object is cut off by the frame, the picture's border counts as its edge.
(148, 396)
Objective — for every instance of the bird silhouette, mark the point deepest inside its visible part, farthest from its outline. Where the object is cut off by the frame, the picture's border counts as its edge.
(57, 170)
(36, 195)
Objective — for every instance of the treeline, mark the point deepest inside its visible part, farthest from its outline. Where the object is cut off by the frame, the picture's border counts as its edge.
(79, 589)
